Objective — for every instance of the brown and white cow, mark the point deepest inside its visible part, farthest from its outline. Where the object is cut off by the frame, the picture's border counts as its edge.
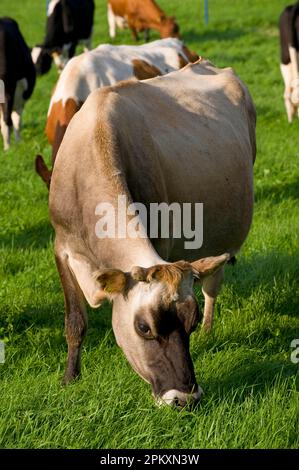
(105, 65)
(140, 16)
(186, 137)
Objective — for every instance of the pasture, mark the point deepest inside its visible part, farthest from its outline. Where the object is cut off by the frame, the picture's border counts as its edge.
(251, 386)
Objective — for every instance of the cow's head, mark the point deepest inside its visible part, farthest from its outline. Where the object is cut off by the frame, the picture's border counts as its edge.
(169, 27)
(42, 59)
(154, 314)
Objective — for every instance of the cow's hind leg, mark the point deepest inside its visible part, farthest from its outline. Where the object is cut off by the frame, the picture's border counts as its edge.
(18, 106)
(210, 287)
(86, 43)
(286, 71)
(75, 318)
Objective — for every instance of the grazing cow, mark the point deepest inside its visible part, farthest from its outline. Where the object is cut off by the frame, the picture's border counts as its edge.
(17, 72)
(104, 66)
(185, 137)
(68, 23)
(289, 41)
(140, 16)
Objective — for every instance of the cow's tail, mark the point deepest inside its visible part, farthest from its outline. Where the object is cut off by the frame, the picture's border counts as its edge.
(43, 171)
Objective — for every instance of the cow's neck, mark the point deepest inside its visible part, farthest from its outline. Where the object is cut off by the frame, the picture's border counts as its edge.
(123, 251)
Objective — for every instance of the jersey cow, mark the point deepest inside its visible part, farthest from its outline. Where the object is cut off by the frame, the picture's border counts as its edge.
(104, 66)
(68, 23)
(17, 76)
(186, 137)
(140, 16)
(289, 65)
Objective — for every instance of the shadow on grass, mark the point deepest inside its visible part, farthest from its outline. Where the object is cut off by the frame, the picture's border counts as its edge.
(36, 236)
(212, 35)
(252, 379)
(271, 273)
(278, 192)
(51, 318)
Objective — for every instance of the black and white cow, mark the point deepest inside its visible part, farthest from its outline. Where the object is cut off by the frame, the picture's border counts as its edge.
(17, 73)
(68, 23)
(289, 42)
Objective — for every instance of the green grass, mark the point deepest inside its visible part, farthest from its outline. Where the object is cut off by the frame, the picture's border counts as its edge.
(251, 386)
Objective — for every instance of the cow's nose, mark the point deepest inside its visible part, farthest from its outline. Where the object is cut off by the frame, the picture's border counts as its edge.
(180, 399)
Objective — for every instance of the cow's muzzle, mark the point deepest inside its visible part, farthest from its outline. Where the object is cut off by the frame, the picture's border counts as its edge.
(179, 399)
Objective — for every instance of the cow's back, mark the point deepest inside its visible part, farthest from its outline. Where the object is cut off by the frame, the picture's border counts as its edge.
(185, 137)
(202, 122)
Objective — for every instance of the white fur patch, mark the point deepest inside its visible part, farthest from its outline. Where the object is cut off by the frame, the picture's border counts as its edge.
(51, 7)
(35, 54)
(169, 397)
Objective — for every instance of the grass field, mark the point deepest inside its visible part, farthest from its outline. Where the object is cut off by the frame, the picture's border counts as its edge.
(251, 386)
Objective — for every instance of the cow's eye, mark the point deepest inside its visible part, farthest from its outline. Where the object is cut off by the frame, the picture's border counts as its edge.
(143, 329)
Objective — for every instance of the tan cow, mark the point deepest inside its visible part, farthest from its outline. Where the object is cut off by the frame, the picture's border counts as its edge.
(105, 65)
(140, 16)
(186, 137)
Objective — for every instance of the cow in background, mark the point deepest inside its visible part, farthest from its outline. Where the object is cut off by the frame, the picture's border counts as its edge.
(105, 65)
(68, 23)
(140, 16)
(289, 41)
(17, 72)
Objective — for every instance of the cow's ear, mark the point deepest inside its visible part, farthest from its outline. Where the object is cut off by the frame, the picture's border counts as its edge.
(112, 281)
(207, 266)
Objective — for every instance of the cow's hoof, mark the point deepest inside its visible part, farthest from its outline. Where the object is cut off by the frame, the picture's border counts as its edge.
(69, 378)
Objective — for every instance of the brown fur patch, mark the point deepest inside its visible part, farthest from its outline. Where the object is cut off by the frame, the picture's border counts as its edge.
(143, 70)
(169, 274)
(182, 61)
(59, 117)
(191, 55)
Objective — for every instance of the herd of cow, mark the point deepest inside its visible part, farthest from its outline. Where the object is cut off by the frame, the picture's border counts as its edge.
(154, 124)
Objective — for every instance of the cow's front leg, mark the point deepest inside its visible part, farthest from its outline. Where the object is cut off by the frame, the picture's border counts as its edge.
(16, 117)
(146, 34)
(5, 131)
(75, 319)
(111, 22)
(134, 33)
(210, 287)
